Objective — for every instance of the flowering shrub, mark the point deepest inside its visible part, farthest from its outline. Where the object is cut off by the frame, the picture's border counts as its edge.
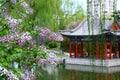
(20, 39)
(47, 35)
(13, 23)
(9, 74)
(28, 76)
(4, 28)
(26, 6)
(47, 61)
(15, 47)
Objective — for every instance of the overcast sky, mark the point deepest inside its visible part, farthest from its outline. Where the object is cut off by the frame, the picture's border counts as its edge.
(83, 4)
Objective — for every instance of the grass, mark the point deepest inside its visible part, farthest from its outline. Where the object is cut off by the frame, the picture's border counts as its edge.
(61, 55)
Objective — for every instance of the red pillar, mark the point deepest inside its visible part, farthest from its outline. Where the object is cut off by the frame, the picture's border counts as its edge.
(97, 50)
(98, 76)
(76, 49)
(81, 49)
(105, 50)
(70, 75)
(76, 75)
(70, 49)
(111, 50)
(111, 76)
(106, 76)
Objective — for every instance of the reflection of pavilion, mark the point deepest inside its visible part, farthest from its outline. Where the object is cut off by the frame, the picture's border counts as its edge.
(102, 37)
(92, 73)
(93, 69)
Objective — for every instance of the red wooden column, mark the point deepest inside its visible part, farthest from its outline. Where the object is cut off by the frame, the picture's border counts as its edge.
(111, 50)
(97, 50)
(76, 49)
(81, 49)
(105, 50)
(111, 76)
(70, 49)
(106, 76)
(70, 75)
(76, 76)
(98, 76)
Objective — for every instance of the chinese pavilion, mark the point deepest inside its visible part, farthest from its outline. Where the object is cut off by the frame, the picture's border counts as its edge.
(107, 33)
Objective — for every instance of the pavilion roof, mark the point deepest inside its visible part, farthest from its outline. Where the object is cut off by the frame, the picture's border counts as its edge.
(95, 28)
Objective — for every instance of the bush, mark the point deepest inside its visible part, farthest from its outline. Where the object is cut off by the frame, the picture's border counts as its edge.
(53, 45)
(40, 54)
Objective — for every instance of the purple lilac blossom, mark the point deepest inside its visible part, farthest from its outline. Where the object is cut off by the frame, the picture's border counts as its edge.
(21, 38)
(47, 34)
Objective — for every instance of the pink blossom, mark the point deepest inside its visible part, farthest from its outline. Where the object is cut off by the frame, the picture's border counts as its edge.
(21, 38)
(47, 61)
(48, 35)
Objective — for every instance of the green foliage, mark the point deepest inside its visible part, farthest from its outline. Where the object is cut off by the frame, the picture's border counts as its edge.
(72, 12)
(46, 12)
(4, 28)
(41, 54)
(52, 45)
(61, 55)
(18, 54)
(116, 15)
(34, 52)
(39, 76)
(14, 11)
(50, 13)
(3, 76)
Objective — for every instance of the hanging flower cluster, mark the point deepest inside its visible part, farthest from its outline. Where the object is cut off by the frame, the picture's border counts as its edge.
(9, 74)
(26, 6)
(48, 61)
(28, 76)
(13, 23)
(14, 1)
(21, 39)
(47, 34)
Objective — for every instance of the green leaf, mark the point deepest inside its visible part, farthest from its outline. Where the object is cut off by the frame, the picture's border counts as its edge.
(33, 32)
(15, 56)
(3, 53)
(18, 50)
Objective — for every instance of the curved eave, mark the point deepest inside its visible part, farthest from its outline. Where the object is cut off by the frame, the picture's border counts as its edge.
(68, 33)
(116, 32)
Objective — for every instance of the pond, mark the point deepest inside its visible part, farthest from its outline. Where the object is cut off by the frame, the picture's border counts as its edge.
(69, 73)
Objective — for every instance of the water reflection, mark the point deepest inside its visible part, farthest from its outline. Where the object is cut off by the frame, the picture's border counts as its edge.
(76, 75)
(61, 73)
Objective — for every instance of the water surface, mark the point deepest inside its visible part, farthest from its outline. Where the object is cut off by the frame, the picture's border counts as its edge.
(70, 73)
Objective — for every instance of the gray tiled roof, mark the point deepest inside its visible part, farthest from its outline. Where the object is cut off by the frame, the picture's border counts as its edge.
(94, 29)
